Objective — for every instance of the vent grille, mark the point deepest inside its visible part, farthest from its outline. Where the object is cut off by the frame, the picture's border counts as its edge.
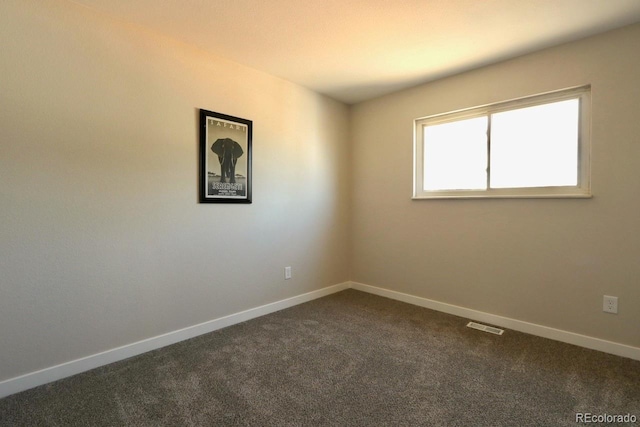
(485, 328)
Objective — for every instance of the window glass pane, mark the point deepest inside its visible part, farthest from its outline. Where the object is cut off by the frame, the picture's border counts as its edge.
(455, 155)
(535, 146)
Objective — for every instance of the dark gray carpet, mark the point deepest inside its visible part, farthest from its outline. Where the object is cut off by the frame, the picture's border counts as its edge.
(350, 359)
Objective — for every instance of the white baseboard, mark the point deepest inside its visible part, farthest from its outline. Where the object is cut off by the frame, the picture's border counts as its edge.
(54, 373)
(505, 322)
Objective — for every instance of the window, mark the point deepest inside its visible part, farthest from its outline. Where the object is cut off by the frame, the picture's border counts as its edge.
(530, 147)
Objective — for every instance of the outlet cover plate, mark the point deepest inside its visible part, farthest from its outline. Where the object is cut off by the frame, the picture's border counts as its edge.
(610, 304)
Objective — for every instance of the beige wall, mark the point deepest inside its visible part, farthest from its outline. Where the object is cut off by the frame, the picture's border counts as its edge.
(103, 242)
(543, 261)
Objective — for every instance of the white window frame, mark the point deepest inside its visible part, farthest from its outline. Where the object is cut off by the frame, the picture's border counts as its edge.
(581, 190)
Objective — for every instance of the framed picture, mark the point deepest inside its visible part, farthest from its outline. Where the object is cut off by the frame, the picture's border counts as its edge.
(225, 158)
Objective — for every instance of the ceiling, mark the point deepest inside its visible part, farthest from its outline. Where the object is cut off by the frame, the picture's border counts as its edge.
(354, 50)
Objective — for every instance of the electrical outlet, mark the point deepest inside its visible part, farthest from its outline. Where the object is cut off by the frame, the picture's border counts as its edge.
(610, 304)
(287, 273)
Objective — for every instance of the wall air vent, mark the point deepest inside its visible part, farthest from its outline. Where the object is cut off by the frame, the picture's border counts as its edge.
(485, 328)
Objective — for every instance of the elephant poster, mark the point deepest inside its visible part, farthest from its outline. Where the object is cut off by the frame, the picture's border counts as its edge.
(225, 158)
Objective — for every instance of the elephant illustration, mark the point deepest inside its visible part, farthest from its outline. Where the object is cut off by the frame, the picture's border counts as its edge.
(228, 152)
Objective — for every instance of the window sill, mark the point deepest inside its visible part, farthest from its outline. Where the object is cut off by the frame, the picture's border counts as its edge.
(502, 196)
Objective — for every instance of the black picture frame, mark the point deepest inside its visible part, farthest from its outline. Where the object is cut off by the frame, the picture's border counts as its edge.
(225, 158)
